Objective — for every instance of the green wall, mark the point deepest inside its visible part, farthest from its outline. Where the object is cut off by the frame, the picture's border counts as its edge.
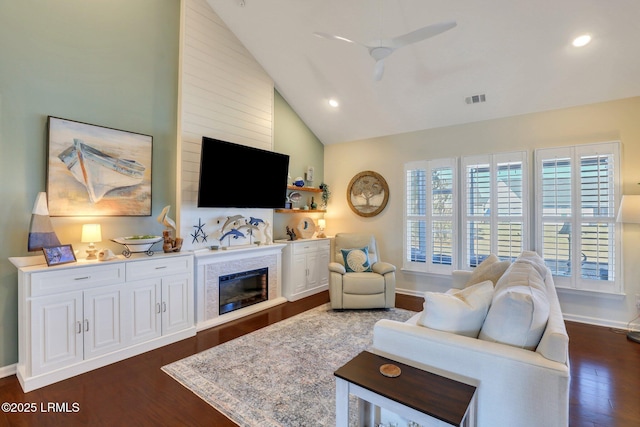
(110, 63)
(293, 137)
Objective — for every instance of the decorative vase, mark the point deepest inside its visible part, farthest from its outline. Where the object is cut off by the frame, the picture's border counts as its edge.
(314, 205)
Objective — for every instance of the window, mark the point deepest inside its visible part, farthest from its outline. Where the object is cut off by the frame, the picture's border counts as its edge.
(495, 206)
(577, 192)
(430, 213)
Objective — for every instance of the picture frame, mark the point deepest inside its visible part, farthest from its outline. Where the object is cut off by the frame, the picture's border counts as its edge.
(61, 254)
(97, 171)
(367, 193)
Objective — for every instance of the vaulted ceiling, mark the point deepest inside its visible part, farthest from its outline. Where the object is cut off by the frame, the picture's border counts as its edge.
(516, 53)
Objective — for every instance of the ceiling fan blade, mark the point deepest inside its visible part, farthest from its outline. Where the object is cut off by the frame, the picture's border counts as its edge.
(420, 34)
(334, 37)
(378, 70)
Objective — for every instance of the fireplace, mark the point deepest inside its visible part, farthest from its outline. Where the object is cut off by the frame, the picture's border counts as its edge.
(243, 289)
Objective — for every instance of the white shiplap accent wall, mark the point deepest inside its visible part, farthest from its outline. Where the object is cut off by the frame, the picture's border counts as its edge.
(224, 94)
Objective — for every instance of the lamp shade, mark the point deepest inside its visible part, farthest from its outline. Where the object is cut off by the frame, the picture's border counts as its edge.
(629, 209)
(91, 233)
(322, 223)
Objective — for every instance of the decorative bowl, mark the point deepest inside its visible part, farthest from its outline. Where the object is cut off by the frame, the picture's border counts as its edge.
(134, 244)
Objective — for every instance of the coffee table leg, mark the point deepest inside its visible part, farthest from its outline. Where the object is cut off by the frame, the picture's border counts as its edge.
(342, 403)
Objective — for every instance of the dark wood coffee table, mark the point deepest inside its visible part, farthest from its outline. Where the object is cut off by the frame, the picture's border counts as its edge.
(417, 395)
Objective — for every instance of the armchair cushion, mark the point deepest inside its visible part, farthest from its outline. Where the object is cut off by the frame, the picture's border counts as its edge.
(458, 311)
(356, 260)
(363, 283)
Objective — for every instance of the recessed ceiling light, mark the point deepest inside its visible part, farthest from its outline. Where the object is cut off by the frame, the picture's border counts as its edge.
(334, 103)
(581, 40)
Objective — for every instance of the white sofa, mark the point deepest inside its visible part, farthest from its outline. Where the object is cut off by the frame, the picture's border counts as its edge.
(516, 387)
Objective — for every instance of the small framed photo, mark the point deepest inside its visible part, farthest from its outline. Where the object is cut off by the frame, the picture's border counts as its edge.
(56, 255)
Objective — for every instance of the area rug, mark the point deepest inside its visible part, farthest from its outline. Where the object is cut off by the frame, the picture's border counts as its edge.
(282, 375)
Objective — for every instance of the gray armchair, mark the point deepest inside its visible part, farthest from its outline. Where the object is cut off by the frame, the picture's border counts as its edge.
(360, 289)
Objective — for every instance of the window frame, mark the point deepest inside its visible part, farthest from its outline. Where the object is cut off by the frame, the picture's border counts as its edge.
(428, 266)
(494, 217)
(575, 280)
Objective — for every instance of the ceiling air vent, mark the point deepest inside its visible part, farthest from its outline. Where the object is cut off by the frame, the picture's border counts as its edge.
(475, 99)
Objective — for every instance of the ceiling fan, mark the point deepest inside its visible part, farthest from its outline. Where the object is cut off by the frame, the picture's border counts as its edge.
(381, 49)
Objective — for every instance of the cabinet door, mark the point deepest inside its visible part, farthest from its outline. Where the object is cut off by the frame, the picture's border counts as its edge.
(176, 314)
(56, 328)
(299, 273)
(142, 315)
(323, 265)
(312, 270)
(101, 323)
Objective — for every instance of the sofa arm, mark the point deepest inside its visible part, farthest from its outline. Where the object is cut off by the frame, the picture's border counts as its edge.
(504, 375)
(336, 267)
(383, 267)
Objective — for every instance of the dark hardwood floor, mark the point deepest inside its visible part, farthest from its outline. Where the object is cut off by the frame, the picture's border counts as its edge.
(605, 384)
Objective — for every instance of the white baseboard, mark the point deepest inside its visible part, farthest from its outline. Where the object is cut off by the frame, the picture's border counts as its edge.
(595, 321)
(6, 371)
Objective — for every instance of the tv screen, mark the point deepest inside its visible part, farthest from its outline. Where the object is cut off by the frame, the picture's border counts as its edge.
(237, 176)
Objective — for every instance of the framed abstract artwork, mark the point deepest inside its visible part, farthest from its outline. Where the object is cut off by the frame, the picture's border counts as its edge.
(97, 171)
(367, 194)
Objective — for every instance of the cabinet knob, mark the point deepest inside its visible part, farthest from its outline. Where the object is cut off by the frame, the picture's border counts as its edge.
(86, 325)
(79, 327)
(82, 278)
(164, 307)
(158, 308)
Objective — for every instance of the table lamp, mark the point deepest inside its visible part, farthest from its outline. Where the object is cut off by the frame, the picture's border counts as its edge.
(629, 213)
(91, 234)
(321, 225)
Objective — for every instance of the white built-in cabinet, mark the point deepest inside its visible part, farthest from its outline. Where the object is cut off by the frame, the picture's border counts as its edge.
(81, 316)
(305, 265)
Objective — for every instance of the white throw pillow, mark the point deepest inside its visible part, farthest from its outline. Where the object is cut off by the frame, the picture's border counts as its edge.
(518, 316)
(459, 311)
(489, 269)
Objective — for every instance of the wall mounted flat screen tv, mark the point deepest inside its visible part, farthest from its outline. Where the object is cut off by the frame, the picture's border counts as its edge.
(237, 176)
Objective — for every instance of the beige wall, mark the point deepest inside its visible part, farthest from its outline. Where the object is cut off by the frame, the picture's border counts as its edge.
(616, 120)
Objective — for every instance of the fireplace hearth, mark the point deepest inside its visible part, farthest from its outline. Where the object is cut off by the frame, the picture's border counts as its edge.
(243, 289)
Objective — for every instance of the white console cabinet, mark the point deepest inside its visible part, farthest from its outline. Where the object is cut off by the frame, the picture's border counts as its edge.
(77, 317)
(305, 265)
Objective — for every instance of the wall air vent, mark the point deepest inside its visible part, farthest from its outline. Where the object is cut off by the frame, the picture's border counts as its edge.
(475, 99)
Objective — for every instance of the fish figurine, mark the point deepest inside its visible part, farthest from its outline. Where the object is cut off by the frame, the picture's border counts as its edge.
(231, 220)
(232, 233)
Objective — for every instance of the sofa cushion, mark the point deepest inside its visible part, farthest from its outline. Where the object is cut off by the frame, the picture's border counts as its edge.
(459, 311)
(517, 317)
(528, 268)
(489, 269)
(356, 260)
